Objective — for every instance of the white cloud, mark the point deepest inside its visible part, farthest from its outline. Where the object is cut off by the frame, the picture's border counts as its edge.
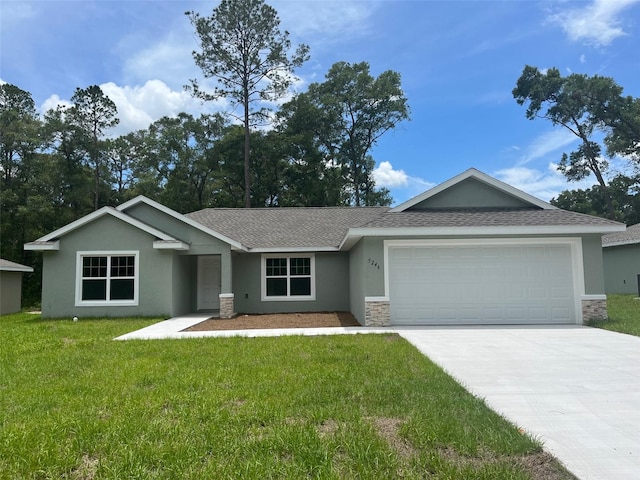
(583, 58)
(402, 186)
(139, 106)
(549, 142)
(169, 60)
(328, 19)
(597, 23)
(52, 103)
(386, 176)
(544, 184)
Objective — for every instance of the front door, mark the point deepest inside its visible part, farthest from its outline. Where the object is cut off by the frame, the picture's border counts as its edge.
(209, 282)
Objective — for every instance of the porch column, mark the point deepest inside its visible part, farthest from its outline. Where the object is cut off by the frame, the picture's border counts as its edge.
(225, 272)
(227, 307)
(377, 312)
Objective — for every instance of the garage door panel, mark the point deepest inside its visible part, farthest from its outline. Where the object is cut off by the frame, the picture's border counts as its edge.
(481, 284)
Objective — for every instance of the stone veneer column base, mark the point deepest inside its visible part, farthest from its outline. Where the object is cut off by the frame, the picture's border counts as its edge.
(226, 305)
(594, 307)
(377, 312)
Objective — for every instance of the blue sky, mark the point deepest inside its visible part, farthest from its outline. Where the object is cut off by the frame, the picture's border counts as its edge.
(459, 61)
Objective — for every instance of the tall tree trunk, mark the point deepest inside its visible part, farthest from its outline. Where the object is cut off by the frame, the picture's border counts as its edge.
(247, 140)
(605, 192)
(595, 168)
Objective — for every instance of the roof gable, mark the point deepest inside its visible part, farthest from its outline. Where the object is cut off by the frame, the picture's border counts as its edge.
(100, 213)
(472, 189)
(51, 240)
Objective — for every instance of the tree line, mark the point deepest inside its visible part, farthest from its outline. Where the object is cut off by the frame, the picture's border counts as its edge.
(62, 165)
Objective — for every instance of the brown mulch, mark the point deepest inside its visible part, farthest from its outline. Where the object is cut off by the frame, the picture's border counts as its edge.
(278, 320)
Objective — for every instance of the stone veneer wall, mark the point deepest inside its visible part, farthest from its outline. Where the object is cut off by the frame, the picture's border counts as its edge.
(594, 309)
(376, 313)
(226, 305)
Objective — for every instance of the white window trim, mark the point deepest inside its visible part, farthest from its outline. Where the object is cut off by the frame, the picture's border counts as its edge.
(111, 303)
(288, 298)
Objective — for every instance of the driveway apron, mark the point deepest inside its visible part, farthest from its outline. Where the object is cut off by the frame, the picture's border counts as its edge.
(577, 389)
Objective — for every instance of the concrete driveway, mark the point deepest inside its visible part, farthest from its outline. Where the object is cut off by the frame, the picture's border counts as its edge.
(577, 389)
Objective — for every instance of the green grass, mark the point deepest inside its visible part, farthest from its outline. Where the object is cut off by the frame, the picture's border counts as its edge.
(624, 315)
(75, 404)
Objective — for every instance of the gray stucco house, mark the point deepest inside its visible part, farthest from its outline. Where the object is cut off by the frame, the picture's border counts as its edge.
(621, 252)
(11, 285)
(472, 250)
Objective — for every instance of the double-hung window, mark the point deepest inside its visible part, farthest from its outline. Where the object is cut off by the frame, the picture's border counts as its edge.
(288, 277)
(107, 278)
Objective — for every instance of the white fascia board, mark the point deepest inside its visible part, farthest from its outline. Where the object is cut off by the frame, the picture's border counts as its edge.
(475, 231)
(478, 175)
(40, 246)
(170, 245)
(17, 269)
(178, 216)
(349, 241)
(293, 249)
(100, 213)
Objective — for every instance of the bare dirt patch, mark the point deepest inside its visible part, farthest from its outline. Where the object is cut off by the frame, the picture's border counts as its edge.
(87, 470)
(388, 429)
(541, 466)
(278, 320)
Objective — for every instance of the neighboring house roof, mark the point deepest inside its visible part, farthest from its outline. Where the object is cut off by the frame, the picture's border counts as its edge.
(9, 266)
(296, 228)
(630, 236)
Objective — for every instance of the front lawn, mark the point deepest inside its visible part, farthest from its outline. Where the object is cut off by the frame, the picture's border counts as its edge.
(624, 315)
(76, 404)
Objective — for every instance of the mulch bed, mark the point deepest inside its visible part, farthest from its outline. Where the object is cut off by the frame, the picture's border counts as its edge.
(278, 320)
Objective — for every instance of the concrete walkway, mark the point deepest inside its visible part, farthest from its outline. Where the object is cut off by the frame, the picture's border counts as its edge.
(577, 389)
(173, 327)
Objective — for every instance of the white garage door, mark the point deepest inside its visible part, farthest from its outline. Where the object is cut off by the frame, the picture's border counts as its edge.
(481, 284)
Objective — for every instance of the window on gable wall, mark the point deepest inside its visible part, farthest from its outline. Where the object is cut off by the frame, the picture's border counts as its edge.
(288, 277)
(107, 278)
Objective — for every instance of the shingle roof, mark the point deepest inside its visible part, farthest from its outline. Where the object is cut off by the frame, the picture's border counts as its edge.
(630, 236)
(282, 227)
(325, 227)
(9, 266)
(486, 218)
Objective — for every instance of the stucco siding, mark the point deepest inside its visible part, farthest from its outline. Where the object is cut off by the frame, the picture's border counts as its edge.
(331, 280)
(10, 292)
(621, 269)
(593, 265)
(470, 193)
(366, 270)
(110, 235)
(356, 281)
(374, 267)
